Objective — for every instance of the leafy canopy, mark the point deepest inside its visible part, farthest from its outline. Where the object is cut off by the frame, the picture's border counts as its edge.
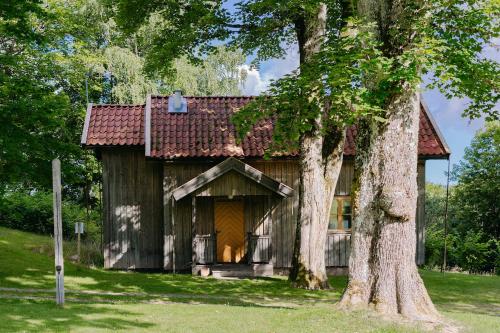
(359, 67)
(477, 192)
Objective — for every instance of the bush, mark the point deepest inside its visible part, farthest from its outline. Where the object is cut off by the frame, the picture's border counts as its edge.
(34, 213)
(477, 255)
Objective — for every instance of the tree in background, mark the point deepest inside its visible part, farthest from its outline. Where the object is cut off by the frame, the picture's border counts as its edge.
(32, 110)
(473, 242)
(435, 201)
(50, 52)
(477, 193)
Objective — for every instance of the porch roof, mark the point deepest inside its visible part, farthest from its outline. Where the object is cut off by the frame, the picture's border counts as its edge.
(232, 164)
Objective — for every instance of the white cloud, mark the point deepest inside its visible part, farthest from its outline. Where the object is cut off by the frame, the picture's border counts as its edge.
(254, 83)
(258, 80)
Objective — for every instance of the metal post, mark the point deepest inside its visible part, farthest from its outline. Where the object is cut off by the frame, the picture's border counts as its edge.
(58, 242)
(446, 217)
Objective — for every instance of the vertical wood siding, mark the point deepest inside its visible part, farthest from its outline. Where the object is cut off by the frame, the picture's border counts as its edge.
(174, 175)
(133, 210)
(420, 217)
(134, 188)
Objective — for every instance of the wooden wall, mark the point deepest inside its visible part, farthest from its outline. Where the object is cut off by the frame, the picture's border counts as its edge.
(133, 208)
(174, 175)
(284, 213)
(420, 218)
(138, 209)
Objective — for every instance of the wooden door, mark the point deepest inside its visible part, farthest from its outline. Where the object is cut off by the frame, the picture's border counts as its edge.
(229, 224)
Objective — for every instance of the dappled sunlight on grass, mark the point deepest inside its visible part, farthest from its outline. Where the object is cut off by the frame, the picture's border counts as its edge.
(455, 292)
(142, 301)
(44, 315)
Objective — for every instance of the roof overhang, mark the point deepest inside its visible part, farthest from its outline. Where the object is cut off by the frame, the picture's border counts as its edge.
(436, 129)
(232, 164)
(85, 131)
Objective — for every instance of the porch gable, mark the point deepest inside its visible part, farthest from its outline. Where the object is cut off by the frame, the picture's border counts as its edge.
(231, 166)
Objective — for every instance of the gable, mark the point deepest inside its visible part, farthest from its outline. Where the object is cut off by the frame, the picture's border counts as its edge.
(232, 177)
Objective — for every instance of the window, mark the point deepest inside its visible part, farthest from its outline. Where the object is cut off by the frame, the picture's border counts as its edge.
(340, 214)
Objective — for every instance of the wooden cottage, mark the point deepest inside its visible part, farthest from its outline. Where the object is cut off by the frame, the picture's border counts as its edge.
(180, 193)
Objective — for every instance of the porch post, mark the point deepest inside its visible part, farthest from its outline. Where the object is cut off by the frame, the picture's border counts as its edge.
(270, 230)
(193, 231)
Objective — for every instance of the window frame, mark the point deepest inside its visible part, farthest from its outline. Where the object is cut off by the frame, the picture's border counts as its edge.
(340, 207)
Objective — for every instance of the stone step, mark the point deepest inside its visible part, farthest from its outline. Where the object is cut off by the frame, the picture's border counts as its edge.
(241, 271)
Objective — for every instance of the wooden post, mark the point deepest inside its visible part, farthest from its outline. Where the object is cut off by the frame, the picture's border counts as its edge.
(194, 258)
(173, 235)
(58, 245)
(249, 248)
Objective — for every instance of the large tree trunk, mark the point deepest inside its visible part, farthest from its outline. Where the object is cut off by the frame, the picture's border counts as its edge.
(321, 153)
(382, 269)
(319, 170)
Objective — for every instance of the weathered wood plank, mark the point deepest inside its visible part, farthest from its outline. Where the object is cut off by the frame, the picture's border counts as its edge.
(420, 214)
(133, 208)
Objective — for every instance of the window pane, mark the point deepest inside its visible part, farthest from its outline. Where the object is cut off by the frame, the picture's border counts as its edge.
(346, 208)
(333, 216)
(346, 221)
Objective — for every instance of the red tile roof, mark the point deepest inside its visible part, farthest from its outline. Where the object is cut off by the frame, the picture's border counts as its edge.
(206, 131)
(116, 125)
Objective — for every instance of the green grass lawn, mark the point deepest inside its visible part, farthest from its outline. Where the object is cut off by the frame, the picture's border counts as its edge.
(182, 303)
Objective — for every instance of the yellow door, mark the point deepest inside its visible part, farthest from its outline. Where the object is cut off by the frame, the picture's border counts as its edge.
(230, 231)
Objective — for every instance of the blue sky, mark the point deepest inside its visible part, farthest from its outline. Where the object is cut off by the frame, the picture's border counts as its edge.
(457, 131)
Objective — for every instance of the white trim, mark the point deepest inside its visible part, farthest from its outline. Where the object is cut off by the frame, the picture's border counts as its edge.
(434, 124)
(147, 126)
(83, 140)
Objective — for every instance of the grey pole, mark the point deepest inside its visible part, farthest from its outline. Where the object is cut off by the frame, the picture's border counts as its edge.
(58, 242)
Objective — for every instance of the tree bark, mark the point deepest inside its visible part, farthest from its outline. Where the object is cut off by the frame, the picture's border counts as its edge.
(382, 269)
(321, 153)
(319, 171)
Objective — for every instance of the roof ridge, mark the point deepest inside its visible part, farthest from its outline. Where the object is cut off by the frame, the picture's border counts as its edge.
(128, 105)
(214, 96)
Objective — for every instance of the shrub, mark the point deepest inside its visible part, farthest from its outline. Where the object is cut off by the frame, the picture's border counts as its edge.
(34, 213)
(476, 254)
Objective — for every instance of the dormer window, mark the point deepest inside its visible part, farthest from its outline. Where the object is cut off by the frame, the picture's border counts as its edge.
(177, 103)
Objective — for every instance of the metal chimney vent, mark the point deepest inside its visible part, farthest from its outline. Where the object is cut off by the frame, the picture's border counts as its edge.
(177, 103)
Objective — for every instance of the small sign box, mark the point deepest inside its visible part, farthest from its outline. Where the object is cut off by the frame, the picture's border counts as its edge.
(79, 227)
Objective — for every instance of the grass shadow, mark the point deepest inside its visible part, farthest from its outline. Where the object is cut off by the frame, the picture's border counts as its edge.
(36, 316)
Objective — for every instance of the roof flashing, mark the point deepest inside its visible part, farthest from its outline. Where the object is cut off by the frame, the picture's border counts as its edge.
(177, 103)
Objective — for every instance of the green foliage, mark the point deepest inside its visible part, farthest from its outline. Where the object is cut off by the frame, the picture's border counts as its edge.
(47, 55)
(478, 189)
(477, 255)
(474, 220)
(361, 66)
(458, 31)
(219, 73)
(338, 96)
(33, 212)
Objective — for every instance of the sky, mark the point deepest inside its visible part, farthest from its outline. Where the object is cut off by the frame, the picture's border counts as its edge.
(457, 131)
